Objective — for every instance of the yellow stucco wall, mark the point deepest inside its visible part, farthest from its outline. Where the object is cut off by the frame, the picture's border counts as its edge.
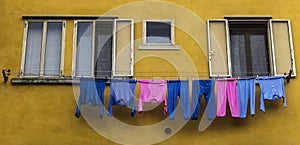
(44, 114)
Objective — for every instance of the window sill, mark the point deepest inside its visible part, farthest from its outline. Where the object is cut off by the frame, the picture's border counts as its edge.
(158, 47)
(50, 80)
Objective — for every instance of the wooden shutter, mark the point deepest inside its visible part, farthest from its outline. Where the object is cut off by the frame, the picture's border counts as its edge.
(123, 48)
(282, 47)
(218, 48)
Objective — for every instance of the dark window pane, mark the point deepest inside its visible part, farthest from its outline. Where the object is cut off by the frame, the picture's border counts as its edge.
(103, 48)
(158, 32)
(249, 50)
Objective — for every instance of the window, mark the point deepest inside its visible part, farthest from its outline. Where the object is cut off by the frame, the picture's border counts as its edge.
(43, 49)
(158, 34)
(250, 47)
(103, 48)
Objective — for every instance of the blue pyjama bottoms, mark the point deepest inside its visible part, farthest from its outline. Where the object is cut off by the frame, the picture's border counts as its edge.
(206, 88)
(246, 91)
(178, 88)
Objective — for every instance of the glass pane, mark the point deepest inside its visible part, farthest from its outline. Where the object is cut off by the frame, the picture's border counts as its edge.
(103, 48)
(260, 60)
(282, 47)
(84, 49)
(53, 49)
(33, 49)
(218, 49)
(238, 55)
(123, 48)
(158, 32)
(249, 49)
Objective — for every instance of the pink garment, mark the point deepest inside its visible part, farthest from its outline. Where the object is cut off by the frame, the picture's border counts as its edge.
(152, 91)
(227, 88)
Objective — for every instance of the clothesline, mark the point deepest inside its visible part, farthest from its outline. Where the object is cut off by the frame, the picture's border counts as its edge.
(237, 94)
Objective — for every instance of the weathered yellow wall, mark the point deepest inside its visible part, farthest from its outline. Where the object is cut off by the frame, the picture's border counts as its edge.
(44, 114)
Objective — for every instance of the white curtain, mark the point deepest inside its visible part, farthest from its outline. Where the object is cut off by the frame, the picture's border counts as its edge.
(84, 49)
(33, 49)
(53, 49)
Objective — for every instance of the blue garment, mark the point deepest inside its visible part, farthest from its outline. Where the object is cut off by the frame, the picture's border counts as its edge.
(246, 91)
(91, 93)
(206, 88)
(178, 88)
(271, 88)
(122, 94)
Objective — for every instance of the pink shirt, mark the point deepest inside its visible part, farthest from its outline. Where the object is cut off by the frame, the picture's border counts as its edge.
(152, 91)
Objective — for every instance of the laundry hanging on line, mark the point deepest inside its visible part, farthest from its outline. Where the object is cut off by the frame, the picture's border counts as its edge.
(237, 91)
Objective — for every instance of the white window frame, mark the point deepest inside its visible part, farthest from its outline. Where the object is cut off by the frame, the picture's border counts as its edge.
(291, 47)
(131, 47)
(272, 62)
(75, 48)
(113, 74)
(211, 51)
(159, 46)
(43, 49)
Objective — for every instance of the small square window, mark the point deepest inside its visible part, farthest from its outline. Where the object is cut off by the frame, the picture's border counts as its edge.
(158, 32)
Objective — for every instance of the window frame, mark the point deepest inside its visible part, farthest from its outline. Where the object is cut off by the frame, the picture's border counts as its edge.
(131, 47)
(144, 33)
(266, 34)
(270, 40)
(43, 49)
(290, 42)
(210, 51)
(113, 62)
(74, 61)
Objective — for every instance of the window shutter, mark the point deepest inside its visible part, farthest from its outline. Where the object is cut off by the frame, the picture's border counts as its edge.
(123, 48)
(218, 48)
(282, 47)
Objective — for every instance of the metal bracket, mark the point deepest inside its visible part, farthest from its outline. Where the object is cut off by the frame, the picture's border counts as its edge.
(5, 74)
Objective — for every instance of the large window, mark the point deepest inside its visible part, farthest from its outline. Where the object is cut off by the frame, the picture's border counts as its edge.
(103, 48)
(250, 47)
(43, 48)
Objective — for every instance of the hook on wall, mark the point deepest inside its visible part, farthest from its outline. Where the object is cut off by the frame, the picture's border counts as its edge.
(5, 74)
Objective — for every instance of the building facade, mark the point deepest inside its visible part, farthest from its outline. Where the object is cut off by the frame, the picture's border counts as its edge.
(48, 46)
